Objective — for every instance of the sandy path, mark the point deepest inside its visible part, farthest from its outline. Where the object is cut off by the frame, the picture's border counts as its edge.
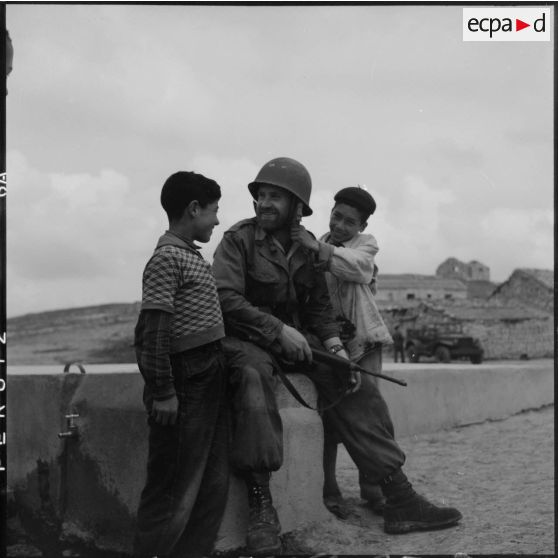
(500, 475)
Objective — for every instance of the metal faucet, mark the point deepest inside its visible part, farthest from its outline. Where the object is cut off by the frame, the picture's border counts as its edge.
(72, 428)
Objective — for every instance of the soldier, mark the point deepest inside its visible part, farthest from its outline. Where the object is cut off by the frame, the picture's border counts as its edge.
(276, 306)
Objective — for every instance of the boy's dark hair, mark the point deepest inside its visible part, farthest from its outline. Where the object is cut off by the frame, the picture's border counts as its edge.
(359, 198)
(183, 187)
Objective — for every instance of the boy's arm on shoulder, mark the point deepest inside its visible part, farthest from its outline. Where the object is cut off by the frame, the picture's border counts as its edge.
(154, 352)
(355, 263)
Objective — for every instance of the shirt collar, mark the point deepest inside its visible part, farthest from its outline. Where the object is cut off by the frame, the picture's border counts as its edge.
(260, 235)
(328, 240)
(173, 239)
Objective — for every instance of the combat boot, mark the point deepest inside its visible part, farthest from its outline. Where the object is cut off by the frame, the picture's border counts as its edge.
(263, 523)
(407, 511)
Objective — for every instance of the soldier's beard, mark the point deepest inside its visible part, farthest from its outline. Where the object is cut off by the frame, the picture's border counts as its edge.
(271, 220)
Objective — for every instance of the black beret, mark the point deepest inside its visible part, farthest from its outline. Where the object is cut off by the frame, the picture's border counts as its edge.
(357, 197)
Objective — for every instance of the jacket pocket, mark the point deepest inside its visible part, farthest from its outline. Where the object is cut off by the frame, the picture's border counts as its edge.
(261, 287)
(305, 283)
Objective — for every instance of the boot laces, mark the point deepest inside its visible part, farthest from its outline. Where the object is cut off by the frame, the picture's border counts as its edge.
(261, 509)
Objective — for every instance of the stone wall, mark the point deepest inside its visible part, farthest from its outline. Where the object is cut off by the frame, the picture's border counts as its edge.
(521, 286)
(426, 292)
(500, 338)
(527, 338)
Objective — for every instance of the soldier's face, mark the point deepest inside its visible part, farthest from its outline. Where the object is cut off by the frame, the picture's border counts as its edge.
(273, 207)
(344, 223)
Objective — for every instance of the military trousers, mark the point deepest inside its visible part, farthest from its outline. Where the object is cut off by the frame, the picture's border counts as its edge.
(361, 420)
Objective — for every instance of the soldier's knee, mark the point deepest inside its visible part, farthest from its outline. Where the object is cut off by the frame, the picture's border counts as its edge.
(252, 376)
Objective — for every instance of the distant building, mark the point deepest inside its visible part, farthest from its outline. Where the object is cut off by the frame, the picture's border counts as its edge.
(480, 289)
(408, 287)
(452, 268)
(534, 287)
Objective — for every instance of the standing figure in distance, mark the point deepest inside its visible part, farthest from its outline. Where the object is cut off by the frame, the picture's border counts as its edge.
(398, 344)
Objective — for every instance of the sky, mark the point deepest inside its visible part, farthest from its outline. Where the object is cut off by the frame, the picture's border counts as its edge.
(453, 139)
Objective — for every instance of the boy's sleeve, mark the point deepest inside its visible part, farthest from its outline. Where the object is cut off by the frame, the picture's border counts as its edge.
(352, 264)
(153, 353)
(161, 280)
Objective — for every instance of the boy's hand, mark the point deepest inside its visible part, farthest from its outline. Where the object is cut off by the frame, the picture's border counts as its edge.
(294, 345)
(165, 412)
(300, 234)
(355, 381)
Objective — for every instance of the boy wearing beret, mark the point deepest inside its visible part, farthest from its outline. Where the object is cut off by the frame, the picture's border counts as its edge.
(351, 277)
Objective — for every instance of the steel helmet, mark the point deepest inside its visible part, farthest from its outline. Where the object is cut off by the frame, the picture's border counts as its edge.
(288, 174)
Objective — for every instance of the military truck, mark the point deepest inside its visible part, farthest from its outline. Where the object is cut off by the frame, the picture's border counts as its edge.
(445, 343)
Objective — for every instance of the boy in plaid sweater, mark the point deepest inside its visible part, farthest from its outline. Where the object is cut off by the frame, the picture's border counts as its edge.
(179, 354)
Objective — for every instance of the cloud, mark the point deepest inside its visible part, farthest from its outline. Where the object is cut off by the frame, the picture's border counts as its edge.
(73, 236)
(409, 227)
(101, 112)
(521, 236)
(79, 239)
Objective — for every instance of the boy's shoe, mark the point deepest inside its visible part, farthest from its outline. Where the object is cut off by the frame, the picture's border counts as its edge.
(417, 514)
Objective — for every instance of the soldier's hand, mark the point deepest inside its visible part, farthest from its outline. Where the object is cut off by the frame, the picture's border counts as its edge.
(294, 345)
(165, 412)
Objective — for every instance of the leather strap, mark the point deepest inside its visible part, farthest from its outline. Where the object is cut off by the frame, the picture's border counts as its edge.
(294, 392)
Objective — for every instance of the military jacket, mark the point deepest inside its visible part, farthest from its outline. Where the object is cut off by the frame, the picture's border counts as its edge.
(261, 288)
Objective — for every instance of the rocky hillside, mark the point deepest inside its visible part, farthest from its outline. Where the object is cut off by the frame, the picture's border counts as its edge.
(92, 334)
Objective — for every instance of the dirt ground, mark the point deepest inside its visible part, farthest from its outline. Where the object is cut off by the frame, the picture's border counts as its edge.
(499, 474)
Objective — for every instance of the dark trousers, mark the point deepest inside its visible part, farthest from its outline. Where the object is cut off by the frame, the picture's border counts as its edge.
(182, 504)
(398, 351)
(361, 421)
(371, 361)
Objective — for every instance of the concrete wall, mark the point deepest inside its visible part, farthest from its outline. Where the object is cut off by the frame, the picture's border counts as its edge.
(94, 481)
(88, 488)
(442, 396)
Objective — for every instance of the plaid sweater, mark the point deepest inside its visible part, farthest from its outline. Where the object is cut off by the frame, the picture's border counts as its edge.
(179, 290)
